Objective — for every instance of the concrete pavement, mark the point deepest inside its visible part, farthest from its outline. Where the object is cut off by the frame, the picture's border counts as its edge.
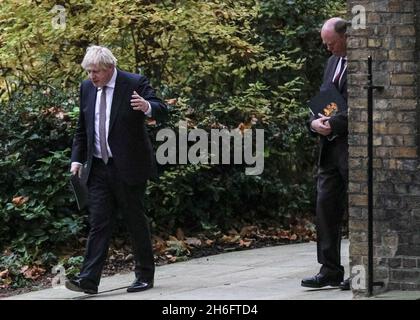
(272, 273)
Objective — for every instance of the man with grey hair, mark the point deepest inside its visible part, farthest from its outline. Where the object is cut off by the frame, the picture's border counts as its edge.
(113, 155)
(332, 163)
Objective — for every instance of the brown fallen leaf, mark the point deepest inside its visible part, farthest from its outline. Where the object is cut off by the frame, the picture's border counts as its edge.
(195, 242)
(243, 126)
(159, 245)
(284, 234)
(61, 115)
(230, 239)
(233, 232)
(254, 120)
(5, 283)
(245, 243)
(33, 272)
(248, 230)
(293, 237)
(129, 257)
(177, 247)
(180, 234)
(4, 274)
(209, 242)
(20, 200)
(57, 112)
(172, 238)
(171, 258)
(172, 101)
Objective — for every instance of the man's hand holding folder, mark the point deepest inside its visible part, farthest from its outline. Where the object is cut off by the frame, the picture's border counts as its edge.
(321, 125)
(325, 105)
(328, 102)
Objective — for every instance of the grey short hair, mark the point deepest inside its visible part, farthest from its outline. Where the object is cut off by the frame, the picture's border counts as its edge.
(340, 26)
(97, 55)
(336, 24)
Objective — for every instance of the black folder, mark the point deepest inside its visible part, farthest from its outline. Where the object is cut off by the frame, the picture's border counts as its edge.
(80, 191)
(327, 102)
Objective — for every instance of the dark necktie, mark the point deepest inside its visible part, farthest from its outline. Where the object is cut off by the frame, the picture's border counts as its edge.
(102, 130)
(336, 80)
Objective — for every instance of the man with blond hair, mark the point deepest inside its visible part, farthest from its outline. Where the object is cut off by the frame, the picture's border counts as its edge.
(332, 163)
(113, 155)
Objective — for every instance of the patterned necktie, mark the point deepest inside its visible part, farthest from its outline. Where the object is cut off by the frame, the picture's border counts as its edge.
(336, 80)
(102, 131)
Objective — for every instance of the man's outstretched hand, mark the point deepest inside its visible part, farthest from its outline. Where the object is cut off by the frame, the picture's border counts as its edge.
(138, 103)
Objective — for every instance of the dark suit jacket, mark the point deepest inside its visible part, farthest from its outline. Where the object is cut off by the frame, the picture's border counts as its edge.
(127, 136)
(338, 122)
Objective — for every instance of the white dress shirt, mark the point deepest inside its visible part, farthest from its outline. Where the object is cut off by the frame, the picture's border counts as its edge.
(109, 94)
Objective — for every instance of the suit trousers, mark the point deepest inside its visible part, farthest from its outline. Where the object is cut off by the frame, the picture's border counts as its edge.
(109, 195)
(331, 204)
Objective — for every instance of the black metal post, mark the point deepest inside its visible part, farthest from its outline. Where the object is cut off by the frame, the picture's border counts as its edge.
(370, 178)
(370, 88)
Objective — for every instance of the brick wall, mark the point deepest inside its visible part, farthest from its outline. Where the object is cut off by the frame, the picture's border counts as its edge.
(392, 38)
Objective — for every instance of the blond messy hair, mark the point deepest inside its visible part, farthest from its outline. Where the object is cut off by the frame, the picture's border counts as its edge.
(100, 56)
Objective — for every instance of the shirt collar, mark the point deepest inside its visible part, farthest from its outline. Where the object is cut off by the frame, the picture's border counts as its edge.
(111, 83)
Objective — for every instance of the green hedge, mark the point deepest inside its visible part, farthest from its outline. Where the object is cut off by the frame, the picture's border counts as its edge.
(36, 208)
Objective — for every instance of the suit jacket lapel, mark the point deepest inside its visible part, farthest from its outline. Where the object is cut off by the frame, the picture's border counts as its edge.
(334, 67)
(119, 92)
(91, 102)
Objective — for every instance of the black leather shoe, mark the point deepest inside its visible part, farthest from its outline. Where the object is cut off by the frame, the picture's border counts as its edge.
(140, 285)
(345, 285)
(82, 285)
(321, 280)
